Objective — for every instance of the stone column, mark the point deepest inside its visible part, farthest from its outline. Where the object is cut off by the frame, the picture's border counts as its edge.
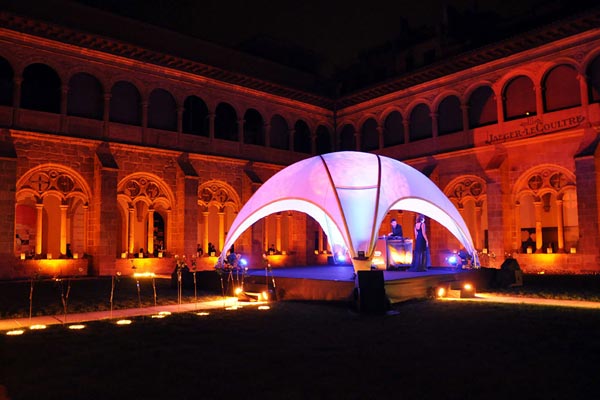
(560, 226)
(320, 245)
(380, 137)
(434, 124)
(144, 122)
(500, 108)
(539, 240)
(18, 80)
(86, 227)
(106, 114)
(518, 243)
(63, 229)
(130, 232)
(267, 128)
(150, 245)
(266, 241)
(539, 99)
(586, 172)
(64, 95)
(221, 231)
(278, 232)
(169, 230)
(477, 239)
(205, 238)
(465, 116)
(290, 232)
(406, 124)
(211, 126)
(39, 207)
(240, 124)
(179, 124)
(292, 134)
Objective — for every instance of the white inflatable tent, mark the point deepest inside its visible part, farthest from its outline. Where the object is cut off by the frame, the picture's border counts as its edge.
(349, 194)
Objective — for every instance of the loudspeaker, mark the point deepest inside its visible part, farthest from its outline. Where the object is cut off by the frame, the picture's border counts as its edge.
(371, 292)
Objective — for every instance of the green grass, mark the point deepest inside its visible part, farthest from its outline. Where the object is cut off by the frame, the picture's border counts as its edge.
(89, 294)
(424, 350)
(564, 287)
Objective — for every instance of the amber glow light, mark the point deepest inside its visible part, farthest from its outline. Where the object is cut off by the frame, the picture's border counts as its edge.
(238, 291)
(468, 286)
(441, 292)
(144, 275)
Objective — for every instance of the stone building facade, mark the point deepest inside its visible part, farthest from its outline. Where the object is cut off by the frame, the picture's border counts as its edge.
(116, 156)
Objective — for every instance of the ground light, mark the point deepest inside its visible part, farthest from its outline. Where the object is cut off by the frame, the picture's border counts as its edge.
(37, 327)
(124, 322)
(77, 327)
(202, 313)
(461, 290)
(15, 332)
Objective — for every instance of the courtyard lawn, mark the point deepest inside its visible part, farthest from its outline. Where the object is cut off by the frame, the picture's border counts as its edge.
(421, 350)
(425, 349)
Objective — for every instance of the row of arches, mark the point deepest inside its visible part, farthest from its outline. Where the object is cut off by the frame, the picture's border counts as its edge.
(560, 87)
(545, 209)
(39, 87)
(52, 213)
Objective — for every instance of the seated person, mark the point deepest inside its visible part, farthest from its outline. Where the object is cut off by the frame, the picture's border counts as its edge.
(396, 229)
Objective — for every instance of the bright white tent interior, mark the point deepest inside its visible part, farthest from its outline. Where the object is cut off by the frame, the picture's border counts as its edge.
(349, 194)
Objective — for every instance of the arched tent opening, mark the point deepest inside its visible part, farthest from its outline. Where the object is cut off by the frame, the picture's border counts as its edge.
(349, 194)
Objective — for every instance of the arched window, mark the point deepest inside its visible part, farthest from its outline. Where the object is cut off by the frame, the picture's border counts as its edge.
(195, 116)
(561, 88)
(369, 136)
(85, 98)
(544, 215)
(254, 128)
(468, 194)
(482, 107)
(125, 104)
(302, 141)
(420, 123)
(593, 74)
(324, 143)
(145, 204)
(6, 83)
(52, 200)
(280, 133)
(219, 203)
(347, 139)
(226, 124)
(40, 89)
(519, 98)
(393, 129)
(162, 110)
(449, 116)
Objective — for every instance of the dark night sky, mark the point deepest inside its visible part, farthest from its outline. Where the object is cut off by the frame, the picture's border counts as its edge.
(331, 28)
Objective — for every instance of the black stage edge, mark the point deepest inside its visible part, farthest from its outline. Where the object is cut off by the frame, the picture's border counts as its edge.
(339, 283)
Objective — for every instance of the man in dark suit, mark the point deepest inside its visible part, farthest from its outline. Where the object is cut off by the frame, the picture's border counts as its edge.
(396, 228)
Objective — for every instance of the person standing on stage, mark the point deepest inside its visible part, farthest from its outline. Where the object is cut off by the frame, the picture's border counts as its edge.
(419, 262)
(396, 228)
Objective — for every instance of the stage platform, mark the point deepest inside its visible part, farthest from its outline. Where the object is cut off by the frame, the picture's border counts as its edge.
(338, 282)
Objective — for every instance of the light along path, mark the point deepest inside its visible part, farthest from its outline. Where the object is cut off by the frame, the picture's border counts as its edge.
(490, 298)
(77, 318)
